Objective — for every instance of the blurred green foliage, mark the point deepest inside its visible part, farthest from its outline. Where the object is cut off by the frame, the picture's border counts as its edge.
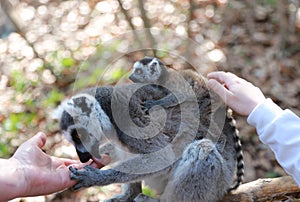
(38, 98)
(116, 74)
(53, 98)
(272, 174)
(149, 192)
(18, 81)
(267, 2)
(67, 62)
(20, 121)
(4, 150)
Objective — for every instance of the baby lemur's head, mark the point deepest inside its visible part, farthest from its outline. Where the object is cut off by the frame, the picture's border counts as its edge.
(147, 70)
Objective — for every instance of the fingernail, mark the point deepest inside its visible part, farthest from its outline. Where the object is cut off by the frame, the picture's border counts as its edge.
(41, 133)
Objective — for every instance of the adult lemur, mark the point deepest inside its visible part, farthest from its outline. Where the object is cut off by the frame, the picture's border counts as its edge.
(167, 148)
(153, 71)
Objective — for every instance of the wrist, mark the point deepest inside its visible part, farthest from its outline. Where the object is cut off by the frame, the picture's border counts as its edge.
(12, 180)
(255, 104)
(264, 113)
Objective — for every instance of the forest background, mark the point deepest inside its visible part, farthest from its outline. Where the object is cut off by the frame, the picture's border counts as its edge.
(50, 49)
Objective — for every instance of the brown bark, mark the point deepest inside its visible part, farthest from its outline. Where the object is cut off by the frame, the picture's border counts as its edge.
(271, 189)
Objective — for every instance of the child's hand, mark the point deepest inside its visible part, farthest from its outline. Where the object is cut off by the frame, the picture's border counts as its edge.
(239, 94)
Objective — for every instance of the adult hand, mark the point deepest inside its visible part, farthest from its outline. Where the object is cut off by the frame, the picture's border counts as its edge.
(37, 173)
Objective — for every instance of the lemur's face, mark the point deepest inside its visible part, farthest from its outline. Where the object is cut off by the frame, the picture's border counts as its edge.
(81, 126)
(72, 134)
(146, 70)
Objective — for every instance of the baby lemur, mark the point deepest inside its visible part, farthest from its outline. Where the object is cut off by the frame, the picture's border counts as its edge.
(169, 148)
(153, 71)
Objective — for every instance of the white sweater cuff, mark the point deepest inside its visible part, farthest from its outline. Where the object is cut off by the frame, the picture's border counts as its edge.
(264, 113)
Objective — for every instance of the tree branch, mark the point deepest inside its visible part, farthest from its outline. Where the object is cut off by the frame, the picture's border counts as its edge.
(271, 189)
(146, 24)
(130, 23)
(6, 8)
(188, 50)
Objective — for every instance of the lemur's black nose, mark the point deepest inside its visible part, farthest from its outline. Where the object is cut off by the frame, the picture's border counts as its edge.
(132, 78)
(84, 156)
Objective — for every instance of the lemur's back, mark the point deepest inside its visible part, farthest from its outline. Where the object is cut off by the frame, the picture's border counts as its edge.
(113, 102)
(217, 123)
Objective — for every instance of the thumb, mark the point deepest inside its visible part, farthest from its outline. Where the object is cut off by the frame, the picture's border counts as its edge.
(219, 89)
(39, 139)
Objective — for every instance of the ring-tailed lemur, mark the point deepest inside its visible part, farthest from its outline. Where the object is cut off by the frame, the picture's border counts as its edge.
(167, 150)
(153, 71)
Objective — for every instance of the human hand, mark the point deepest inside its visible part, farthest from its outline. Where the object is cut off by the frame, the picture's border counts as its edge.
(43, 174)
(239, 94)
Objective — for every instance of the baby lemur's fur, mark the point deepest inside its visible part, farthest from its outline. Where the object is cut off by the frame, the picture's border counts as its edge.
(153, 71)
(182, 157)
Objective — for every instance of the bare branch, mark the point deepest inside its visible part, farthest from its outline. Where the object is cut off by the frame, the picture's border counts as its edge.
(271, 189)
(6, 9)
(146, 24)
(188, 51)
(127, 17)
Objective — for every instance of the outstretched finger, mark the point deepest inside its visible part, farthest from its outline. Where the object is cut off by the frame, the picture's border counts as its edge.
(222, 77)
(56, 161)
(220, 89)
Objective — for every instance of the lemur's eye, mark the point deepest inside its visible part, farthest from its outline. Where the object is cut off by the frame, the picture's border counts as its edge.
(138, 71)
(153, 65)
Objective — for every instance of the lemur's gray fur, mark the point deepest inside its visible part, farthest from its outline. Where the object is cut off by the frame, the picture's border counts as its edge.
(153, 71)
(174, 151)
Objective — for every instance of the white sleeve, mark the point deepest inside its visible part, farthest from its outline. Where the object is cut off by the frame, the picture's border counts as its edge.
(280, 129)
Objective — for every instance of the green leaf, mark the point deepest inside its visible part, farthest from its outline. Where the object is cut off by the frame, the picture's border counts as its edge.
(53, 98)
(149, 192)
(16, 122)
(4, 150)
(117, 74)
(67, 62)
(18, 81)
(272, 175)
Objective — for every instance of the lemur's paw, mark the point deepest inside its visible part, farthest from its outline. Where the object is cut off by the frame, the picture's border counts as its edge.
(148, 104)
(84, 177)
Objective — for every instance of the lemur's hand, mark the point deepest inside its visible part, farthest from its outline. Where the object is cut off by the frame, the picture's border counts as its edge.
(85, 177)
(148, 104)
